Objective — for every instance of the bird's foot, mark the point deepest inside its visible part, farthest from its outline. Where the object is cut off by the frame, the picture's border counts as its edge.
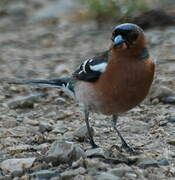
(94, 146)
(128, 149)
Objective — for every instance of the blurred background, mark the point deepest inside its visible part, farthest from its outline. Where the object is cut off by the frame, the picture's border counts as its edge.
(61, 33)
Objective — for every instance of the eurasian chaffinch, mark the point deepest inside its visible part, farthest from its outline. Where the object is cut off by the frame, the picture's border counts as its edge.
(113, 82)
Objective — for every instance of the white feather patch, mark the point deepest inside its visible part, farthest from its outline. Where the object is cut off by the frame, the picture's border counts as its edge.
(84, 65)
(66, 89)
(99, 67)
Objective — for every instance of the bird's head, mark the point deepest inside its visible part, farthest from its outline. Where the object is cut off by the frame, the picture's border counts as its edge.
(127, 36)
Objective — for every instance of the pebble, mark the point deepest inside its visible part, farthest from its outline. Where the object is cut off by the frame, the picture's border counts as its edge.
(30, 121)
(148, 163)
(168, 100)
(95, 164)
(82, 133)
(64, 152)
(171, 141)
(106, 176)
(71, 173)
(163, 123)
(59, 127)
(9, 123)
(159, 92)
(171, 119)
(121, 171)
(44, 174)
(155, 101)
(44, 126)
(12, 165)
(97, 152)
(19, 148)
(79, 177)
(163, 162)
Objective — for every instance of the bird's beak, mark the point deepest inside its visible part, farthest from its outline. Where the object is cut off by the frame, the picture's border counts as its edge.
(120, 42)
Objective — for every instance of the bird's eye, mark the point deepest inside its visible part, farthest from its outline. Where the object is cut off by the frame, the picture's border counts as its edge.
(133, 36)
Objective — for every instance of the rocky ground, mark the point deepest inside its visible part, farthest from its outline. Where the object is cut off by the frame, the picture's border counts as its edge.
(42, 131)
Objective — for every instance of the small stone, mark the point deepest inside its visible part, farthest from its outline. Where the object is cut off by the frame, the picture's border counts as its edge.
(148, 163)
(163, 162)
(106, 176)
(59, 127)
(82, 133)
(11, 165)
(71, 173)
(120, 172)
(160, 92)
(64, 152)
(95, 164)
(155, 101)
(17, 173)
(171, 142)
(78, 163)
(163, 123)
(171, 119)
(44, 126)
(169, 100)
(19, 148)
(42, 147)
(131, 175)
(30, 121)
(79, 177)
(97, 152)
(44, 174)
(9, 123)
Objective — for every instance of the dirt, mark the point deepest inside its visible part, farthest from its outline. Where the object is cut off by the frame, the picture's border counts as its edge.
(34, 46)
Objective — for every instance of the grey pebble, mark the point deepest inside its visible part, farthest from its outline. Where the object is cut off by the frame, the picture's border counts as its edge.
(169, 100)
(163, 162)
(171, 119)
(59, 127)
(163, 123)
(44, 126)
(148, 163)
(106, 176)
(71, 173)
(12, 165)
(97, 152)
(82, 133)
(44, 174)
(122, 171)
(64, 152)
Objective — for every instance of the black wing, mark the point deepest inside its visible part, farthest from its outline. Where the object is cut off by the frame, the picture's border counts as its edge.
(91, 69)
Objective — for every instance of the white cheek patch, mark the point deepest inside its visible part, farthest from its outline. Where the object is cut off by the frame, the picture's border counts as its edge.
(99, 67)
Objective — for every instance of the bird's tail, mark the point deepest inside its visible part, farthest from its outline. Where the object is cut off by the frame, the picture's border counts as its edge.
(65, 84)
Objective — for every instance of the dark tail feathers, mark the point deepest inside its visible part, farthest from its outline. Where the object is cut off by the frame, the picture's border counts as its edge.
(65, 84)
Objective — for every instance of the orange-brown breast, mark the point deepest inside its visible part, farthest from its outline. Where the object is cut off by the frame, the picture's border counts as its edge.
(124, 85)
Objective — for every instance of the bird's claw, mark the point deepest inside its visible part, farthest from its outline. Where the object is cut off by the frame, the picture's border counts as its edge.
(130, 150)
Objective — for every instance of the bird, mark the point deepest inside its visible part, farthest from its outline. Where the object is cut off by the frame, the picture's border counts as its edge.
(113, 82)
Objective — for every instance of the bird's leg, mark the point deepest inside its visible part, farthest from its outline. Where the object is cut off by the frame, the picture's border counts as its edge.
(124, 144)
(86, 114)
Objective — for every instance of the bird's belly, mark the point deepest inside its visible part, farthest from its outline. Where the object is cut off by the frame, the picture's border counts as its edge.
(95, 102)
(87, 95)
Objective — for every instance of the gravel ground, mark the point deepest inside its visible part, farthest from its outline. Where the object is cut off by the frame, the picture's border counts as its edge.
(42, 131)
